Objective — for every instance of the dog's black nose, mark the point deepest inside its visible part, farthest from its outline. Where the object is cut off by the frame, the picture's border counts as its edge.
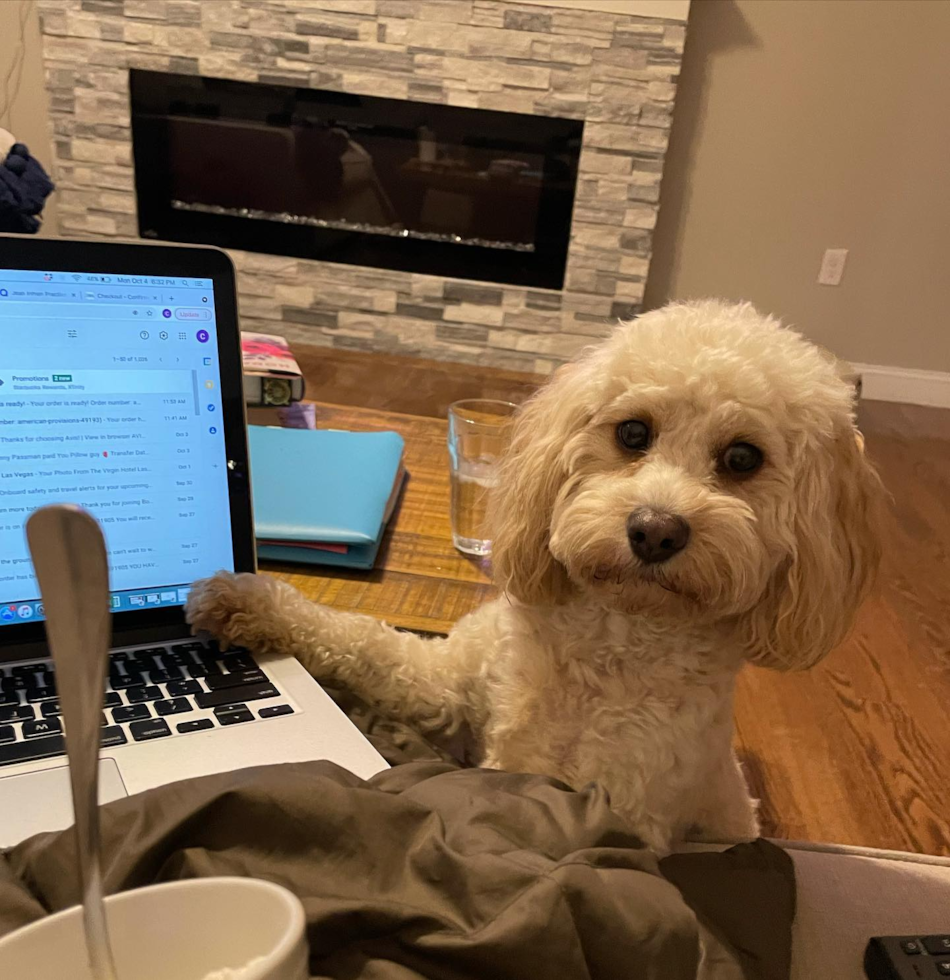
(656, 536)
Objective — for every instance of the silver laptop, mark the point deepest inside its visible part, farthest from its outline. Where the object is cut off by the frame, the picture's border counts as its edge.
(120, 390)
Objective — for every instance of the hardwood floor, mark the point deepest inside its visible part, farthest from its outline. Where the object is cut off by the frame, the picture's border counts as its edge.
(856, 750)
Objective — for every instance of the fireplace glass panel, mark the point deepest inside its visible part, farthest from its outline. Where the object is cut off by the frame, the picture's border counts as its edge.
(362, 180)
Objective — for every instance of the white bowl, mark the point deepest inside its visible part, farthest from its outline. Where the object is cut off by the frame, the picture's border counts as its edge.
(182, 930)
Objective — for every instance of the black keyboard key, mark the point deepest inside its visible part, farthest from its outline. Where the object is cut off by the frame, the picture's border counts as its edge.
(31, 750)
(233, 695)
(239, 661)
(7, 734)
(233, 714)
(17, 712)
(112, 736)
(125, 681)
(50, 709)
(112, 700)
(167, 674)
(275, 710)
(145, 659)
(937, 945)
(24, 669)
(203, 670)
(177, 689)
(198, 725)
(176, 659)
(10, 685)
(138, 694)
(119, 657)
(142, 731)
(194, 646)
(208, 654)
(131, 712)
(34, 694)
(9, 697)
(38, 729)
(177, 706)
(238, 679)
(40, 691)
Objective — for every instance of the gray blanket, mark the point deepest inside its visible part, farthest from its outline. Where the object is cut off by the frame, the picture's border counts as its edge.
(430, 870)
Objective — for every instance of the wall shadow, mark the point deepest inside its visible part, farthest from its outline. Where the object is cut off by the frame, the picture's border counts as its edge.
(714, 28)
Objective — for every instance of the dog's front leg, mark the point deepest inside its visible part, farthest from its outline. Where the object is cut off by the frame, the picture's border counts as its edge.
(430, 683)
(727, 811)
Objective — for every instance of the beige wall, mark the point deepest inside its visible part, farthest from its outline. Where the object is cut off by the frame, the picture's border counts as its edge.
(27, 116)
(806, 125)
(673, 9)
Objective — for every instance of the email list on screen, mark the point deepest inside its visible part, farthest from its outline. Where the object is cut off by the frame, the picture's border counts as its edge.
(110, 398)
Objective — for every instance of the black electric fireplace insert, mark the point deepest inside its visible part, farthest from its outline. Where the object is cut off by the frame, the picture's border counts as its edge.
(414, 186)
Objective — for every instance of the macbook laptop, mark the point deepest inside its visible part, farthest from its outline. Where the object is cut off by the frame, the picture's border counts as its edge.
(120, 391)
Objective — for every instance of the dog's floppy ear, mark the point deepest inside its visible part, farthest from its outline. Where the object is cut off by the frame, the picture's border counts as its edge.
(529, 478)
(834, 553)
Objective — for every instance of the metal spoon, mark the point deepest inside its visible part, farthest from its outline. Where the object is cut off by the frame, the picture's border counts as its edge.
(69, 558)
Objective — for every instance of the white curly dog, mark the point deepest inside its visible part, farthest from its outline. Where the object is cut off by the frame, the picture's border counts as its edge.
(688, 496)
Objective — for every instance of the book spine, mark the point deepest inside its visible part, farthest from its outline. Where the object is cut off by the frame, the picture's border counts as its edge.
(272, 391)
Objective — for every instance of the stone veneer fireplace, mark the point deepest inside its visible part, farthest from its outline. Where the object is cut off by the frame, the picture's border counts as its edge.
(614, 73)
(354, 179)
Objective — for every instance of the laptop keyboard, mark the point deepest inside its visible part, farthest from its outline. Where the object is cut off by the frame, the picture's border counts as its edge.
(151, 693)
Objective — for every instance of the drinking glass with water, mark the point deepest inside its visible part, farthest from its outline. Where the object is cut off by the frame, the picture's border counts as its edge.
(479, 431)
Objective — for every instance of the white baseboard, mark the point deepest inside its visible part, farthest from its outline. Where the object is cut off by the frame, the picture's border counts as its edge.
(911, 386)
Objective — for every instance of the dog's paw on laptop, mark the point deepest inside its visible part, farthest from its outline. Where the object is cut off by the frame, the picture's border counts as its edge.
(267, 616)
(240, 610)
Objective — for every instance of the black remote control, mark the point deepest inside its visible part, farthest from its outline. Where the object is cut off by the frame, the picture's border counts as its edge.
(907, 958)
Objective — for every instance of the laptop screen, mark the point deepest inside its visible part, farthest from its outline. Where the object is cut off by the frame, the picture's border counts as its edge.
(110, 398)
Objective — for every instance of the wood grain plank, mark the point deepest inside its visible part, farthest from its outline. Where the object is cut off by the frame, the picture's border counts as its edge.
(410, 601)
(410, 385)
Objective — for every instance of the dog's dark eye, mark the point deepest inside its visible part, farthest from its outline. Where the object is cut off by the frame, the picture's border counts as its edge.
(742, 458)
(634, 434)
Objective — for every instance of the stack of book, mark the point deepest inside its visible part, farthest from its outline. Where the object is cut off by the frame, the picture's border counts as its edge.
(273, 383)
(272, 375)
(323, 496)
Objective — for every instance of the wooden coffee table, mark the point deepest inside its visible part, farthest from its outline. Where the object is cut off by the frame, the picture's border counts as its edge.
(420, 581)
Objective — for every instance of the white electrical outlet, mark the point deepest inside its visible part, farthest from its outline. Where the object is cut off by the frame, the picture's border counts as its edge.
(832, 266)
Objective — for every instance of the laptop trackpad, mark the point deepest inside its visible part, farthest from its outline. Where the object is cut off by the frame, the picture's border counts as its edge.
(38, 801)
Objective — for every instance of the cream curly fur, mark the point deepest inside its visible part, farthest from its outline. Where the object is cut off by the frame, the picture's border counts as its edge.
(593, 665)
